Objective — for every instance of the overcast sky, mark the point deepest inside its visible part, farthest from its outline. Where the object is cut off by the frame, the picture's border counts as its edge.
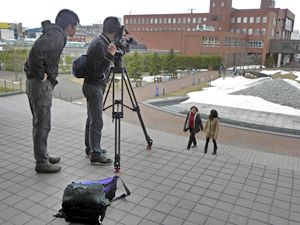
(32, 12)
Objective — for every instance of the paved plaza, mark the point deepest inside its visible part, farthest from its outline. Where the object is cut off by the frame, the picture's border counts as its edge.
(169, 185)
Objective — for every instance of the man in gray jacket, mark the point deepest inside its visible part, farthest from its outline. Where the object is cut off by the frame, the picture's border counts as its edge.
(41, 70)
(99, 57)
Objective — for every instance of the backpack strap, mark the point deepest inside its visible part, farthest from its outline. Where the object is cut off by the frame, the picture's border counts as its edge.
(123, 195)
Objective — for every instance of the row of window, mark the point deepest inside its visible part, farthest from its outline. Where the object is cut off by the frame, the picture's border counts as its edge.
(250, 31)
(216, 41)
(165, 20)
(162, 29)
(251, 19)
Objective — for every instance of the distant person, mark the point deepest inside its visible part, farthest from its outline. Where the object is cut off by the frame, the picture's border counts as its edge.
(244, 73)
(100, 55)
(193, 123)
(41, 70)
(212, 130)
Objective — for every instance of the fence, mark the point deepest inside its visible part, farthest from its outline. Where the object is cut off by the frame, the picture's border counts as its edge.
(7, 86)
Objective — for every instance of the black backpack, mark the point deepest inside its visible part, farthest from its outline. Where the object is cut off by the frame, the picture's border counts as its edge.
(86, 202)
(78, 66)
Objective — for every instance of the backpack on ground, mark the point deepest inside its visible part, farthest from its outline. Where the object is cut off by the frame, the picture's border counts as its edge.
(78, 66)
(86, 202)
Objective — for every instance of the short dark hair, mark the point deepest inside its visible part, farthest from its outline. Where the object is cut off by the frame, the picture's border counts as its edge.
(66, 17)
(111, 24)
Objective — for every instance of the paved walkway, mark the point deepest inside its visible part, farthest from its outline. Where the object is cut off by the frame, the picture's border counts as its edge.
(168, 185)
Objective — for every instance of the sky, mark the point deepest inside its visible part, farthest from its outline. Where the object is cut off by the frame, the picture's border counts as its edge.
(32, 12)
(221, 87)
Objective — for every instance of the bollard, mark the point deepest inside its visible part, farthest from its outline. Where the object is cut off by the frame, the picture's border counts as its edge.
(163, 92)
(5, 87)
(193, 81)
(169, 76)
(20, 83)
(12, 82)
(156, 91)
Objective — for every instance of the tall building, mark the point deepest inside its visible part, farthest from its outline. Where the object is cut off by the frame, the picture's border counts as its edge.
(224, 31)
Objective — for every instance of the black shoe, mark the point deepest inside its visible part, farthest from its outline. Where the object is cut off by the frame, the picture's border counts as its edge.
(48, 168)
(101, 159)
(205, 150)
(54, 160)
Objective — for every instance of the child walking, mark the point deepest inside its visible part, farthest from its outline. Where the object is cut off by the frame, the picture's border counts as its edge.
(193, 123)
(212, 130)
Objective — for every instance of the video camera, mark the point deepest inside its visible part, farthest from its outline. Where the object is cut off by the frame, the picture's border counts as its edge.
(123, 44)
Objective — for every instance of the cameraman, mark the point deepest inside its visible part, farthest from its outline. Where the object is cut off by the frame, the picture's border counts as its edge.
(100, 55)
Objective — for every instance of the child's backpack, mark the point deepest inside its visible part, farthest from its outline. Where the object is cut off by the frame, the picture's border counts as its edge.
(86, 202)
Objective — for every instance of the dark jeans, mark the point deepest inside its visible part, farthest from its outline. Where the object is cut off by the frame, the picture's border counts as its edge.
(214, 141)
(94, 121)
(192, 138)
(40, 101)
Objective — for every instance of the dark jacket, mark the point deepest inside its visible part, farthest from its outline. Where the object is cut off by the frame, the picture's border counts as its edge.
(98, 62)
(197, 122)
(45, 53)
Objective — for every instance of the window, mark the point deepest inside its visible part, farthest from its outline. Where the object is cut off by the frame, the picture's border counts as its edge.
(238, 30)
(283, 35)
(130, 21)
(143, 21)
(239, 19)
(282, 22)
(227, 42)
(183, 20)
(221, 18)
(257, 20)
(204, 19)
(134, 21)
(232, 30)
(160, 20)
(244, 31)
(251, 20)
(233, 42)
(213, 4)
(126, 21)
(151, 20)
(194, 20)
(188, 20)
(256, 31)
(244, 43)
(245, 20)
(250, 31)
(179, 20)
(138, 21)
(273, 32)
(255, 44)
(263, 31)
(199, 20)
(174, 20)
(210, 41)
(147, 21)
(165, 20)
(264, 19)
(274, 21)
(155, 20)
(222, 4)
(232, 20)
(239, 43)
(169, 20)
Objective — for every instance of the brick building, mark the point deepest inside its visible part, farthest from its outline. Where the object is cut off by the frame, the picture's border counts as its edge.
(232, 33)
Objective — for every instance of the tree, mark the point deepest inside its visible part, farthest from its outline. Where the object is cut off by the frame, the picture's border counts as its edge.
(169, 63)
(270, 61)
(155, 64)
(135, 66)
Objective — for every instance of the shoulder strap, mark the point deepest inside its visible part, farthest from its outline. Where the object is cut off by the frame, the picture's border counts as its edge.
(123, 195)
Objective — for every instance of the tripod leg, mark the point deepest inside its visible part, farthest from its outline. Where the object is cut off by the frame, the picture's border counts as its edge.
(117, 145)
(137, 109)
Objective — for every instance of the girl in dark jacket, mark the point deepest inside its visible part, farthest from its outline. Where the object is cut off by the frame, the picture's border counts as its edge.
(193, 123)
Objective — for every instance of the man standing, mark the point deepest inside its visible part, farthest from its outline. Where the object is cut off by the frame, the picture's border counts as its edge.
(99, 57)
(41, 70)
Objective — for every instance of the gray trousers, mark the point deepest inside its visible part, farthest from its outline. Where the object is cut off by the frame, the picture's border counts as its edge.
(40, 101)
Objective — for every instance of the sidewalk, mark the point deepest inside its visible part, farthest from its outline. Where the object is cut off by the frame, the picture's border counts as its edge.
(168, 185)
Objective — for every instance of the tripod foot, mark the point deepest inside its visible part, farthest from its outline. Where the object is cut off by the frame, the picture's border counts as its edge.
(117, 170)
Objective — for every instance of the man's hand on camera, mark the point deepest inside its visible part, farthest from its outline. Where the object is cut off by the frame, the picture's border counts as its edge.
(112, 48)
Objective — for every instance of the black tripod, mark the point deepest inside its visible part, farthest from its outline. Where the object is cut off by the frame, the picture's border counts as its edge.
(118, 108)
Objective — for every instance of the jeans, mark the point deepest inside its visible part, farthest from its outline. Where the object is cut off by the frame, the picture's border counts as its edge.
(94, 121)
(40, 101)
(192, 138)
